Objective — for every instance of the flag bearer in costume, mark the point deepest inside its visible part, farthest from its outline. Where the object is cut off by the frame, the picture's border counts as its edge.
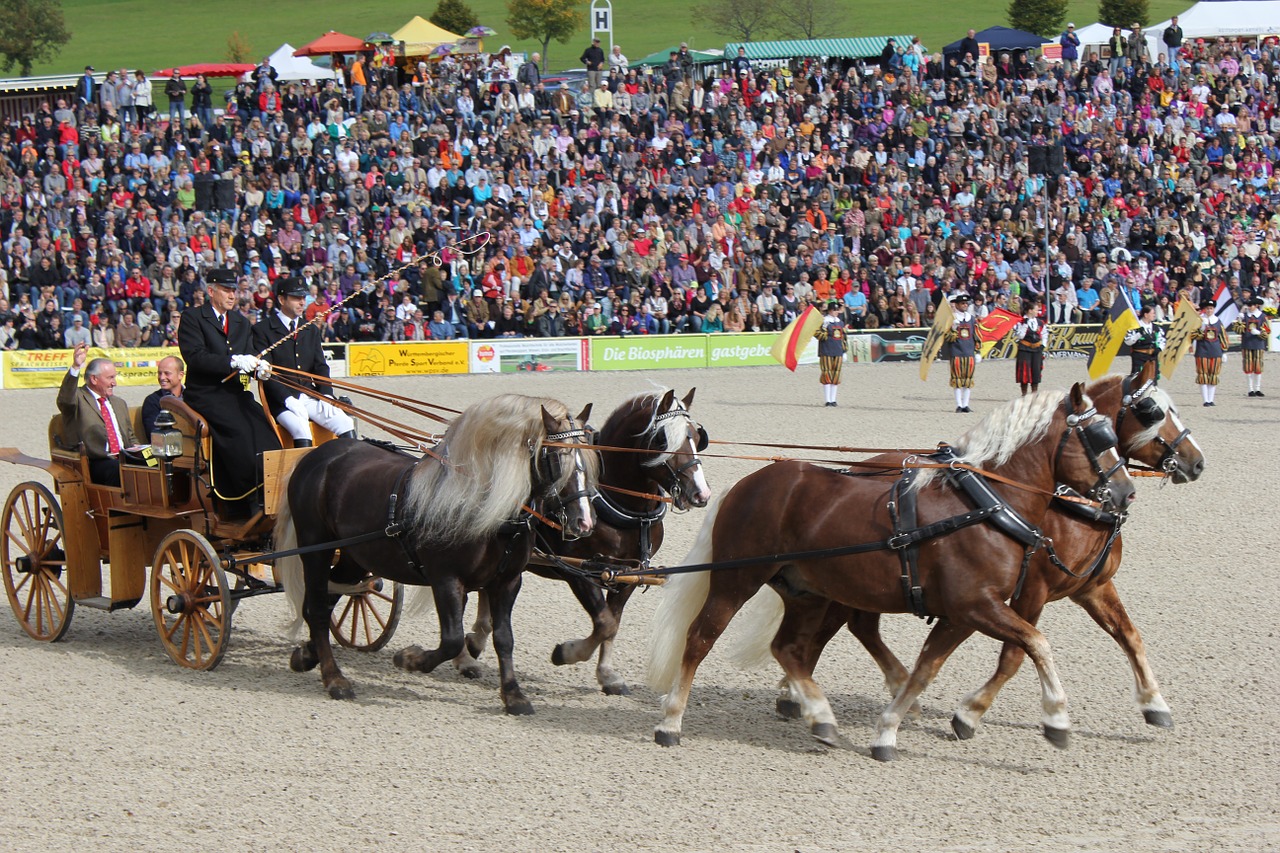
(962, 340)
(1254, 331)
(833, 341)
(1146, 341)
(1210, 350)
(1032, 335)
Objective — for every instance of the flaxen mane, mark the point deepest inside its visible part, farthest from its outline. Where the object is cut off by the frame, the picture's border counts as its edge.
(673, 429)
(487, 474)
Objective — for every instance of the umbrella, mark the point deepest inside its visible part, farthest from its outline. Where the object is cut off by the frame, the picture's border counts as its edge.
(481, 32)
(379, 38)
(441, 50)
(329, 43)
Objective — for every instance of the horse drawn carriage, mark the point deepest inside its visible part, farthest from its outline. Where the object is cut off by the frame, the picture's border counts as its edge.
(158, 525)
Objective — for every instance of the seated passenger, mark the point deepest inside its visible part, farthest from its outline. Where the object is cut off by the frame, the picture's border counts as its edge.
(93, 417)
(292, 409)
(169, 373)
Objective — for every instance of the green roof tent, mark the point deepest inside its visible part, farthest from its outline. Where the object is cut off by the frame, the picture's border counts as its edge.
(653, 60)
(857, 48)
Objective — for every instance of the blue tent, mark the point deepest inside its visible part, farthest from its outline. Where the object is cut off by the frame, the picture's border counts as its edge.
(1001, 38)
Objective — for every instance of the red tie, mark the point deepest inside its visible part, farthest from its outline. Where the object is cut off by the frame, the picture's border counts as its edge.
(113, 440)
(226, 324)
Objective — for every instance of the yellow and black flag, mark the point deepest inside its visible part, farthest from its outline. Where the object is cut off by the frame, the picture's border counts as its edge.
(1119, 321)
(942, 320)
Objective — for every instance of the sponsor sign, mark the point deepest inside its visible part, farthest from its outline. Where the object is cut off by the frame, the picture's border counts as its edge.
(528, 355)
(647, 352)
(409, 358)
(45, 368)
(741, 350)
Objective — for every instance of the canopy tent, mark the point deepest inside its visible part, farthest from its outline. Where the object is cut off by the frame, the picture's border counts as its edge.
(1001, 38)
(209, 69)
(1097, 36)
(851, 48)
(420, 35)
(291, 67)
(700, 57)
(329, 43)
(1222, 18)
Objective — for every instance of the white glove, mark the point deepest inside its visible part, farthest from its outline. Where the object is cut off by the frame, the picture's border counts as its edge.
(244, 363)
(263, 370)
(294, 404)
(977, 359)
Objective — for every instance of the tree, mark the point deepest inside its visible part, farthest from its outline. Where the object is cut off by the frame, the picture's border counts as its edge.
(807, 19)
(1123, 13)
(1042, 17)
(455, 16)
(544, 20)
(238, 48)
(740, 20)
(31, 31)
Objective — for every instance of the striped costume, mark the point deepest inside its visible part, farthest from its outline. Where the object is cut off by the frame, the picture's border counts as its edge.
(963, 341)
(1210, 342)
(832, 344)
(1254, 331)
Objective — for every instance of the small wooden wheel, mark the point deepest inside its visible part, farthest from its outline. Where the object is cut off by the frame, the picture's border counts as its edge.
(35, 565)
(190, 600)
(366, 621)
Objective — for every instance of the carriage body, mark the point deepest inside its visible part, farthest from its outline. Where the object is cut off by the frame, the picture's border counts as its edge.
(161, 524)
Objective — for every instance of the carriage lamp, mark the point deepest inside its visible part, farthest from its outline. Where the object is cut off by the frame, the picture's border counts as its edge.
(166, 438)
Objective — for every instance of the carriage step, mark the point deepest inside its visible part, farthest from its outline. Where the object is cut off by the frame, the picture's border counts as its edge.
(101, 602)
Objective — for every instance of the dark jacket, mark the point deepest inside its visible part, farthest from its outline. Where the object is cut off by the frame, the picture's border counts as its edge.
(303, 353)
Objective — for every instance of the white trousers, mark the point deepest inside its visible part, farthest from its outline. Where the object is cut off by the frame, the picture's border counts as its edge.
(302, 410)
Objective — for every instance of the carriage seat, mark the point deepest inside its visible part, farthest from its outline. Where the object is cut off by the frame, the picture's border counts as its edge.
(197, 444)
(319, 435)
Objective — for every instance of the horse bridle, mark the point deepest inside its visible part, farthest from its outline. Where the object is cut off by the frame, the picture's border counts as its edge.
(547, 462)
(1095, 438)
(698, 439)
(1147, 412)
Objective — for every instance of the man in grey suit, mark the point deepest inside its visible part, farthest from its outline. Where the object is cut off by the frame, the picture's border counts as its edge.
(93, 417)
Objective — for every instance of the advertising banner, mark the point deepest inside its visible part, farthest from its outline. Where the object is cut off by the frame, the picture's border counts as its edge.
(410, 358)
(45, 368)
(528, 355)
(336, 356)
(741, 350)
(648, 352)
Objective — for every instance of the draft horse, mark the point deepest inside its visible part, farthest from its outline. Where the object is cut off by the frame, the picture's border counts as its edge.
(1089, 547)
(790, 525)
(660, 442)
(456, 520)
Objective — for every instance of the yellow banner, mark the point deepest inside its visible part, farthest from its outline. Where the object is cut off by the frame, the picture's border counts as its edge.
(409, 358)
(1177, 339)
(1119, 321)
(44, 368)
(942, 320)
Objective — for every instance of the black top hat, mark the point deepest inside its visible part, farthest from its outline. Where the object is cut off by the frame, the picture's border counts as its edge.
(959, 296)
(835, 305)
(1254, 302)
(1208, 302)
(290, 286)
(226, 278)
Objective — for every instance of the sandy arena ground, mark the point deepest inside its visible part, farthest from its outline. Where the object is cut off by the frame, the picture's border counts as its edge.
(108, 745)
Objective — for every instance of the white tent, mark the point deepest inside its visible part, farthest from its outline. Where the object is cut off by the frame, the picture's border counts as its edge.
(290, 67)
(1097, 36)
(1214, 18)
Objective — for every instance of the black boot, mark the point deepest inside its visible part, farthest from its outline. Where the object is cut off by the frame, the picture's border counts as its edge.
(302, 442)
(348, 434)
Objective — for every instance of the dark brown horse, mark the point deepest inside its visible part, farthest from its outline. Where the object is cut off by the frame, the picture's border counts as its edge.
(1151, 433)
(782, 521)
(455, 520)
(628, 526)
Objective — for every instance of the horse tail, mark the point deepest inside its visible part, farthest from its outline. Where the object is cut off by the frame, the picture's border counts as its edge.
(289, 572)
(757, 624)
(421, 602)
(682, 598)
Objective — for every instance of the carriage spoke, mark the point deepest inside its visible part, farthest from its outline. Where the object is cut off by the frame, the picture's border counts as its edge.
(174, 626)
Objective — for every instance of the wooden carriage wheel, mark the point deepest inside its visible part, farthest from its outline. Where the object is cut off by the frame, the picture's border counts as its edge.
(190, 600)
(35, 565)
(366, 621)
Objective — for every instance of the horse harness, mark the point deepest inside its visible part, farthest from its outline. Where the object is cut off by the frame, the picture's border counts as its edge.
(1147, 412)
(699, 440)
(1095, 438)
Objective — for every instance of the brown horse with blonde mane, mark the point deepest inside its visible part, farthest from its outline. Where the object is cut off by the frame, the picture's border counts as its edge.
(790, 525)
(1089, 548)
(457, 519)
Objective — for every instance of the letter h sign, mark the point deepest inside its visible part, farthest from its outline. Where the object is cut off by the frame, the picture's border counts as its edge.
(602, 19)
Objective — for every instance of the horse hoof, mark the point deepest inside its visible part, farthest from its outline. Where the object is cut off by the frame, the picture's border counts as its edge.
(471, 671)
(884, 753)
(825, 733)
(963, 730)
(616, 688)
(519, 708)
(557, 655)
(665, 738)
(300, 661)
(1163, 719)
(788, 709)
(405, 658)
(341, 691)
(1061, 738)
(474, 646)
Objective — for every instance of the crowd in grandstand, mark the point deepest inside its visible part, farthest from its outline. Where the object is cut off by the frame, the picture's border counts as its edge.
(645, 201)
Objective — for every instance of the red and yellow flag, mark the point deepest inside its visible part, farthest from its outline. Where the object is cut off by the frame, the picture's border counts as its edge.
(793, 339)
(993, 328)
